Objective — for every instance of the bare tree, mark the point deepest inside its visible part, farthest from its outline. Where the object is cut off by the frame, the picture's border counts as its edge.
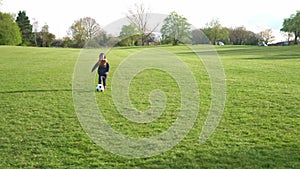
(92, 27)
(35, 30)
(266, 36)
(139, 17)
(47, 37)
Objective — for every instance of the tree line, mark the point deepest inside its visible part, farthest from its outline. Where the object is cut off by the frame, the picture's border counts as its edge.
(175, 30)
(21, 32)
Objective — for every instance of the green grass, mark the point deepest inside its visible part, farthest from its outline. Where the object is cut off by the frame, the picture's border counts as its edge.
(260, 126)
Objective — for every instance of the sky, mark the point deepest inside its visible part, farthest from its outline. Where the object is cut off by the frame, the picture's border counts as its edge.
(255, 15)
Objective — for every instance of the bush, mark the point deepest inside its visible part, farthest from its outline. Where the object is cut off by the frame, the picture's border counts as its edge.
(9, 30)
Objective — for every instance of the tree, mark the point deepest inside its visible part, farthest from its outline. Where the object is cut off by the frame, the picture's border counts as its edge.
(35, 30)
(101, 39)
(198, 37)
(111, 40)
(128, 35)
(9, 30)
(215, 32)
(266, 36)
(292, 25)
(176, 28)
(140, 19)
(66, 42)
(241, 36)
(238, 35)
(25, 27)
(252, 38)
(83, 30)
(47, 38)
(44, 38)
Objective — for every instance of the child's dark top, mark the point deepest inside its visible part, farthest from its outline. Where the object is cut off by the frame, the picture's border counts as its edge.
(103, 69)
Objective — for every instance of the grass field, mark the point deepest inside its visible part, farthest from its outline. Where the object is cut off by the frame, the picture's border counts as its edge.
(260, 126)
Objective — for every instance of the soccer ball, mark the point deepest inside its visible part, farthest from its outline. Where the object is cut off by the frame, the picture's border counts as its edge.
(99, 88)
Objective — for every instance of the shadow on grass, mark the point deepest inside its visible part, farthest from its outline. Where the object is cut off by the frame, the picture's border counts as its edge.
(250, 53)
(276, 57)
(37, 90)
(225, 51)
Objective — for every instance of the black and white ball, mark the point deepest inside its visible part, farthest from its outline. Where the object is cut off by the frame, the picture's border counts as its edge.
(99, 88)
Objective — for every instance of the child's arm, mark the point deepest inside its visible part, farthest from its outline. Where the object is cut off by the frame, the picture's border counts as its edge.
(107, 69)
(95, 66)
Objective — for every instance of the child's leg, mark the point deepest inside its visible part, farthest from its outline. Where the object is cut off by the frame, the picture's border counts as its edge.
(104, 81)
(99, 79)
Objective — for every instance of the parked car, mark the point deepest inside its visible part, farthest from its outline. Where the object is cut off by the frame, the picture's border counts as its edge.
(220, 43)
